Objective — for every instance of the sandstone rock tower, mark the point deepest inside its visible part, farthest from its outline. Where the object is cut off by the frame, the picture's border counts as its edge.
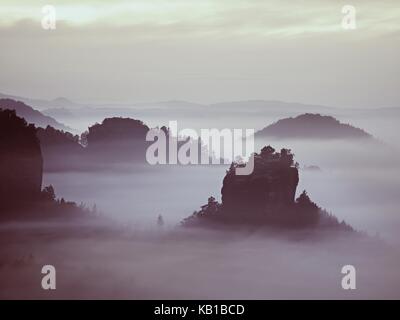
(272, 184)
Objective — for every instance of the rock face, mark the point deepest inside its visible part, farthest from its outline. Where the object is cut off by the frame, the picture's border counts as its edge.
(273, 183)
(21, 163)
(265, 198)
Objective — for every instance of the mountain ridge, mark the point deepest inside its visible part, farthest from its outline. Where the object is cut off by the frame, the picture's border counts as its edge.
(309, 125)
(31, 115)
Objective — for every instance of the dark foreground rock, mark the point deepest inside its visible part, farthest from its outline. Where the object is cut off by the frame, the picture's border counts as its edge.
(21, 163)
(21, 174)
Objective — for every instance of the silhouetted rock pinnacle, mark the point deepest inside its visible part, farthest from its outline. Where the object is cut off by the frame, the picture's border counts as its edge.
(21, 164)
(21, 172)
(272, 183)
(265, 198)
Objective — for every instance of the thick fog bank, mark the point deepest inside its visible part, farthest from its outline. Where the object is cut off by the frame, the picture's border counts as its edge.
(195, 264)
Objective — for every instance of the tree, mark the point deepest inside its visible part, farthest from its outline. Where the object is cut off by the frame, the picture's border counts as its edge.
(83, 138)
(160, 221)
(308, 212)
(286, 157)
(49, 193)
(211, 207)
(303, 199)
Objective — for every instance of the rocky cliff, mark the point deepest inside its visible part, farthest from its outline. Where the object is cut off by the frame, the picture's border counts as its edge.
(21, 164)
(272, 183)
(265, 198)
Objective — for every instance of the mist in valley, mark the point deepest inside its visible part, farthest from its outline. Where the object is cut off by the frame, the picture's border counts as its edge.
(356, 180)
(137, 259)
(196, 264)
(77, 100)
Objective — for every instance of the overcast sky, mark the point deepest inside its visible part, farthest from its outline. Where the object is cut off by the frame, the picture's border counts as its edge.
(203, 51)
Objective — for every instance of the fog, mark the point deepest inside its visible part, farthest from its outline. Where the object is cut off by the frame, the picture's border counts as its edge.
(382, 123)
(198, 264)
(122, 253)
(357, 182)
(138, 194)
(237, 64)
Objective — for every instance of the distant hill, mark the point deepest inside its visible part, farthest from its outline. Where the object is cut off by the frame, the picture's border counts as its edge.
(61, 150)
(41, 104)
(117, 139)
(31, 115)
(272, 106)
(311, 126)
(116, 129)
(58, 113)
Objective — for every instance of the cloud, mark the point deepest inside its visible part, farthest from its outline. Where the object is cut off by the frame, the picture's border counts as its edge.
(203, 51)
(219, 16)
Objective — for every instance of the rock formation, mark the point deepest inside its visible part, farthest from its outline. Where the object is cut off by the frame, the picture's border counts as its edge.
(265, 198)
(21, 172)
(21, 164)
(272, 183)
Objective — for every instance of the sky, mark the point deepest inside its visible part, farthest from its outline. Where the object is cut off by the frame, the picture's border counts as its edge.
(203, 51)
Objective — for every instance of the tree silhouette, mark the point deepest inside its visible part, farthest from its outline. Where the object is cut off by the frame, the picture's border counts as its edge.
(48, 193)
(160, 221)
